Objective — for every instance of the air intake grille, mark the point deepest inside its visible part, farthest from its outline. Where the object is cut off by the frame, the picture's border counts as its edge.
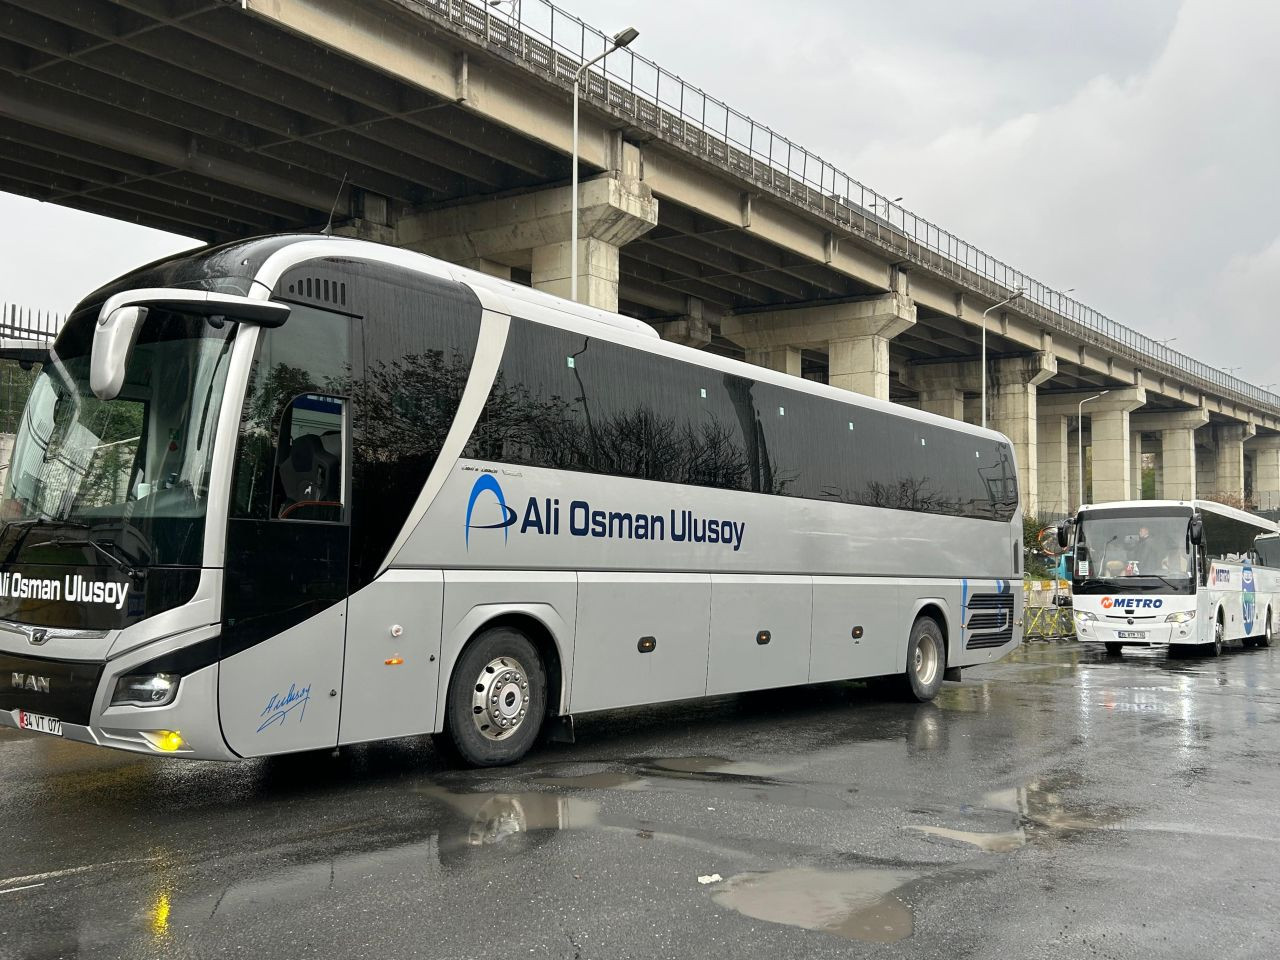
(988, 617)
(321, 289)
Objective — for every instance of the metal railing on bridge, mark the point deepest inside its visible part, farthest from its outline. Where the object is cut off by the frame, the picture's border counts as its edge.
(547, 40)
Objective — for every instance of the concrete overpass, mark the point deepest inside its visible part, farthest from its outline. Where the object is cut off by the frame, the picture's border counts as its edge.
(444, 125)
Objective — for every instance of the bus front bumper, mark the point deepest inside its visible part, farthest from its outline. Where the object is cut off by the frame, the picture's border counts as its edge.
(1137, 635)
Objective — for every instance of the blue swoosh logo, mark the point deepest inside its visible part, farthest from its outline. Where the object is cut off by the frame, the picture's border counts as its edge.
(489, 482)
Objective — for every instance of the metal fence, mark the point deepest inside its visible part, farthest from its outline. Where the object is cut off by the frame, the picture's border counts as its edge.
(24, 323)
(553, 43)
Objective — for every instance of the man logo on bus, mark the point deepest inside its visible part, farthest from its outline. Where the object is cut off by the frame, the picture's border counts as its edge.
(488, 482)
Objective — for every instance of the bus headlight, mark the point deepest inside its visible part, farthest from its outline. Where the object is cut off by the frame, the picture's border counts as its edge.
(1083, 615)
(145, 690)
(1182, 616)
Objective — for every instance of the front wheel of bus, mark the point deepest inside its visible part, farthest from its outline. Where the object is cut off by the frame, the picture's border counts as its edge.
(1114, 649)
(926, 661)
(1219, 631)
(497, 699)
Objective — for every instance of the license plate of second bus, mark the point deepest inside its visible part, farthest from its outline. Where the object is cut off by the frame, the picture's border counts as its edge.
(33, 721)
(1132, 634)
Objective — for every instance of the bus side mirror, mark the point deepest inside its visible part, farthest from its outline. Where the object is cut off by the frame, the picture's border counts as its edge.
(113, 341)
(1195, 530)
(1064, 533)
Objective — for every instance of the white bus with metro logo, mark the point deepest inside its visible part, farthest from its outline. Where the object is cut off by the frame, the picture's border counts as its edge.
(1195, 576)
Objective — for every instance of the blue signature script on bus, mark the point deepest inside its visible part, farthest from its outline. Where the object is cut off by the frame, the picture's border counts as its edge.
(280, 706)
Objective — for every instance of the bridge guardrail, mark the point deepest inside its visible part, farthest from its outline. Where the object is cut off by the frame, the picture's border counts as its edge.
(555, 43)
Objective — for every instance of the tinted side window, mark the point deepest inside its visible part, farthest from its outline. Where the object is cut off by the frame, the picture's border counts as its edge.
(567, 401)
(309, 355)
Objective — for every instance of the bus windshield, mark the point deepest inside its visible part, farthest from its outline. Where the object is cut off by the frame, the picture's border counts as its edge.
(127, 478)
(1126, 544)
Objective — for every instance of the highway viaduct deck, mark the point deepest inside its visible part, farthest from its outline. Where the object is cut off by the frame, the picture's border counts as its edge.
(444, 126)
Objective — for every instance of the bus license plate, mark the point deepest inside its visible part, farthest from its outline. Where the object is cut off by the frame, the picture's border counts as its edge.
(1131, 634)
(33, 721)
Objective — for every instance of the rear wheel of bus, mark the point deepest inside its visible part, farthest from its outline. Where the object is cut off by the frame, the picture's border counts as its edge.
(497, 699)
(926, 661)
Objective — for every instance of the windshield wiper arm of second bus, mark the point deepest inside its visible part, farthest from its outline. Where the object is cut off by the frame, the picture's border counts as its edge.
(113, 556)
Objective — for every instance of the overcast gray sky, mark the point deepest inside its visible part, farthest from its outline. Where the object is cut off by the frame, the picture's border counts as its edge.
(1127, 149)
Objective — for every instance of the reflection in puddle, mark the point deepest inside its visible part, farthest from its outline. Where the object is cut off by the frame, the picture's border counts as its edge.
(737, 768)
(987, 842)
(1039, 813)
(496, 816)
(855, 904)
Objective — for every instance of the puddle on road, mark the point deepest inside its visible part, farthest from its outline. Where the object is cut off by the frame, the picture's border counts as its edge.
(854, 904)
(987, 842)
(1038, 813)
(603, 780)
(493, 817)
(712, 777)
(718, 765)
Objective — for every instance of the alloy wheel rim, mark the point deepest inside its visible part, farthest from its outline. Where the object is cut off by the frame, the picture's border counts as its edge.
(500, 698)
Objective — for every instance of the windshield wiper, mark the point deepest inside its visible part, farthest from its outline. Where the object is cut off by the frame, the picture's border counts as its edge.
(29, 525)
(115, 556)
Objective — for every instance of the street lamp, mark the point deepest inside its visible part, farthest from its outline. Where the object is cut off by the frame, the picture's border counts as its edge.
(1016, 294)
(1080, 437)
(620, 39)
(1165, 342)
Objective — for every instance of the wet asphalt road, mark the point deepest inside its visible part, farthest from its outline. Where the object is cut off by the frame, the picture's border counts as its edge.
(1058, 804)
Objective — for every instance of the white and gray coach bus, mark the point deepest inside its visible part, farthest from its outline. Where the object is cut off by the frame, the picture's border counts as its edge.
(300, 492)
(1190, 574)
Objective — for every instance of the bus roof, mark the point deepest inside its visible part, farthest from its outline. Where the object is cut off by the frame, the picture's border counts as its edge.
(1205, 506)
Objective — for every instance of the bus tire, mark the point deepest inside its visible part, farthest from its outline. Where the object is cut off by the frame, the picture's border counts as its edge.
(926, 661)
(1114, 649)
(1265, 639)
(497, 699)
(1219, 631)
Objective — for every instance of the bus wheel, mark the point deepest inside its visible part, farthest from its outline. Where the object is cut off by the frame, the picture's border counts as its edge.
(1114, 649)
(1219, 631)
(1265, 639)
(926, 661)
(497, 699)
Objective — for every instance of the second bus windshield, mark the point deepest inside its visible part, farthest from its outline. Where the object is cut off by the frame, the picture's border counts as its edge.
(1122, 545)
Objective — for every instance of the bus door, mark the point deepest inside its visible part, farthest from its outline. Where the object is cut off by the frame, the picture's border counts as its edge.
(288, 550)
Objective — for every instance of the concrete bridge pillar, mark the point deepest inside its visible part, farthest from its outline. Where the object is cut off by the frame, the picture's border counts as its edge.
(856, 335)
(1012, 382)
(532, 231)
(941, 387)
(1112, 447)
(1266, 471)
(1135, 465)
(1229, 475)
(1052, 439)
(1075, 497)
(782, 359)
(1013, 413)
(693, 329)
(1176, 464)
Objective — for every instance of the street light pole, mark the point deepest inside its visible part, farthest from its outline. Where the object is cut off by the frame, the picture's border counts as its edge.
(620, 39)
(1016, 294)
(1080, 438)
